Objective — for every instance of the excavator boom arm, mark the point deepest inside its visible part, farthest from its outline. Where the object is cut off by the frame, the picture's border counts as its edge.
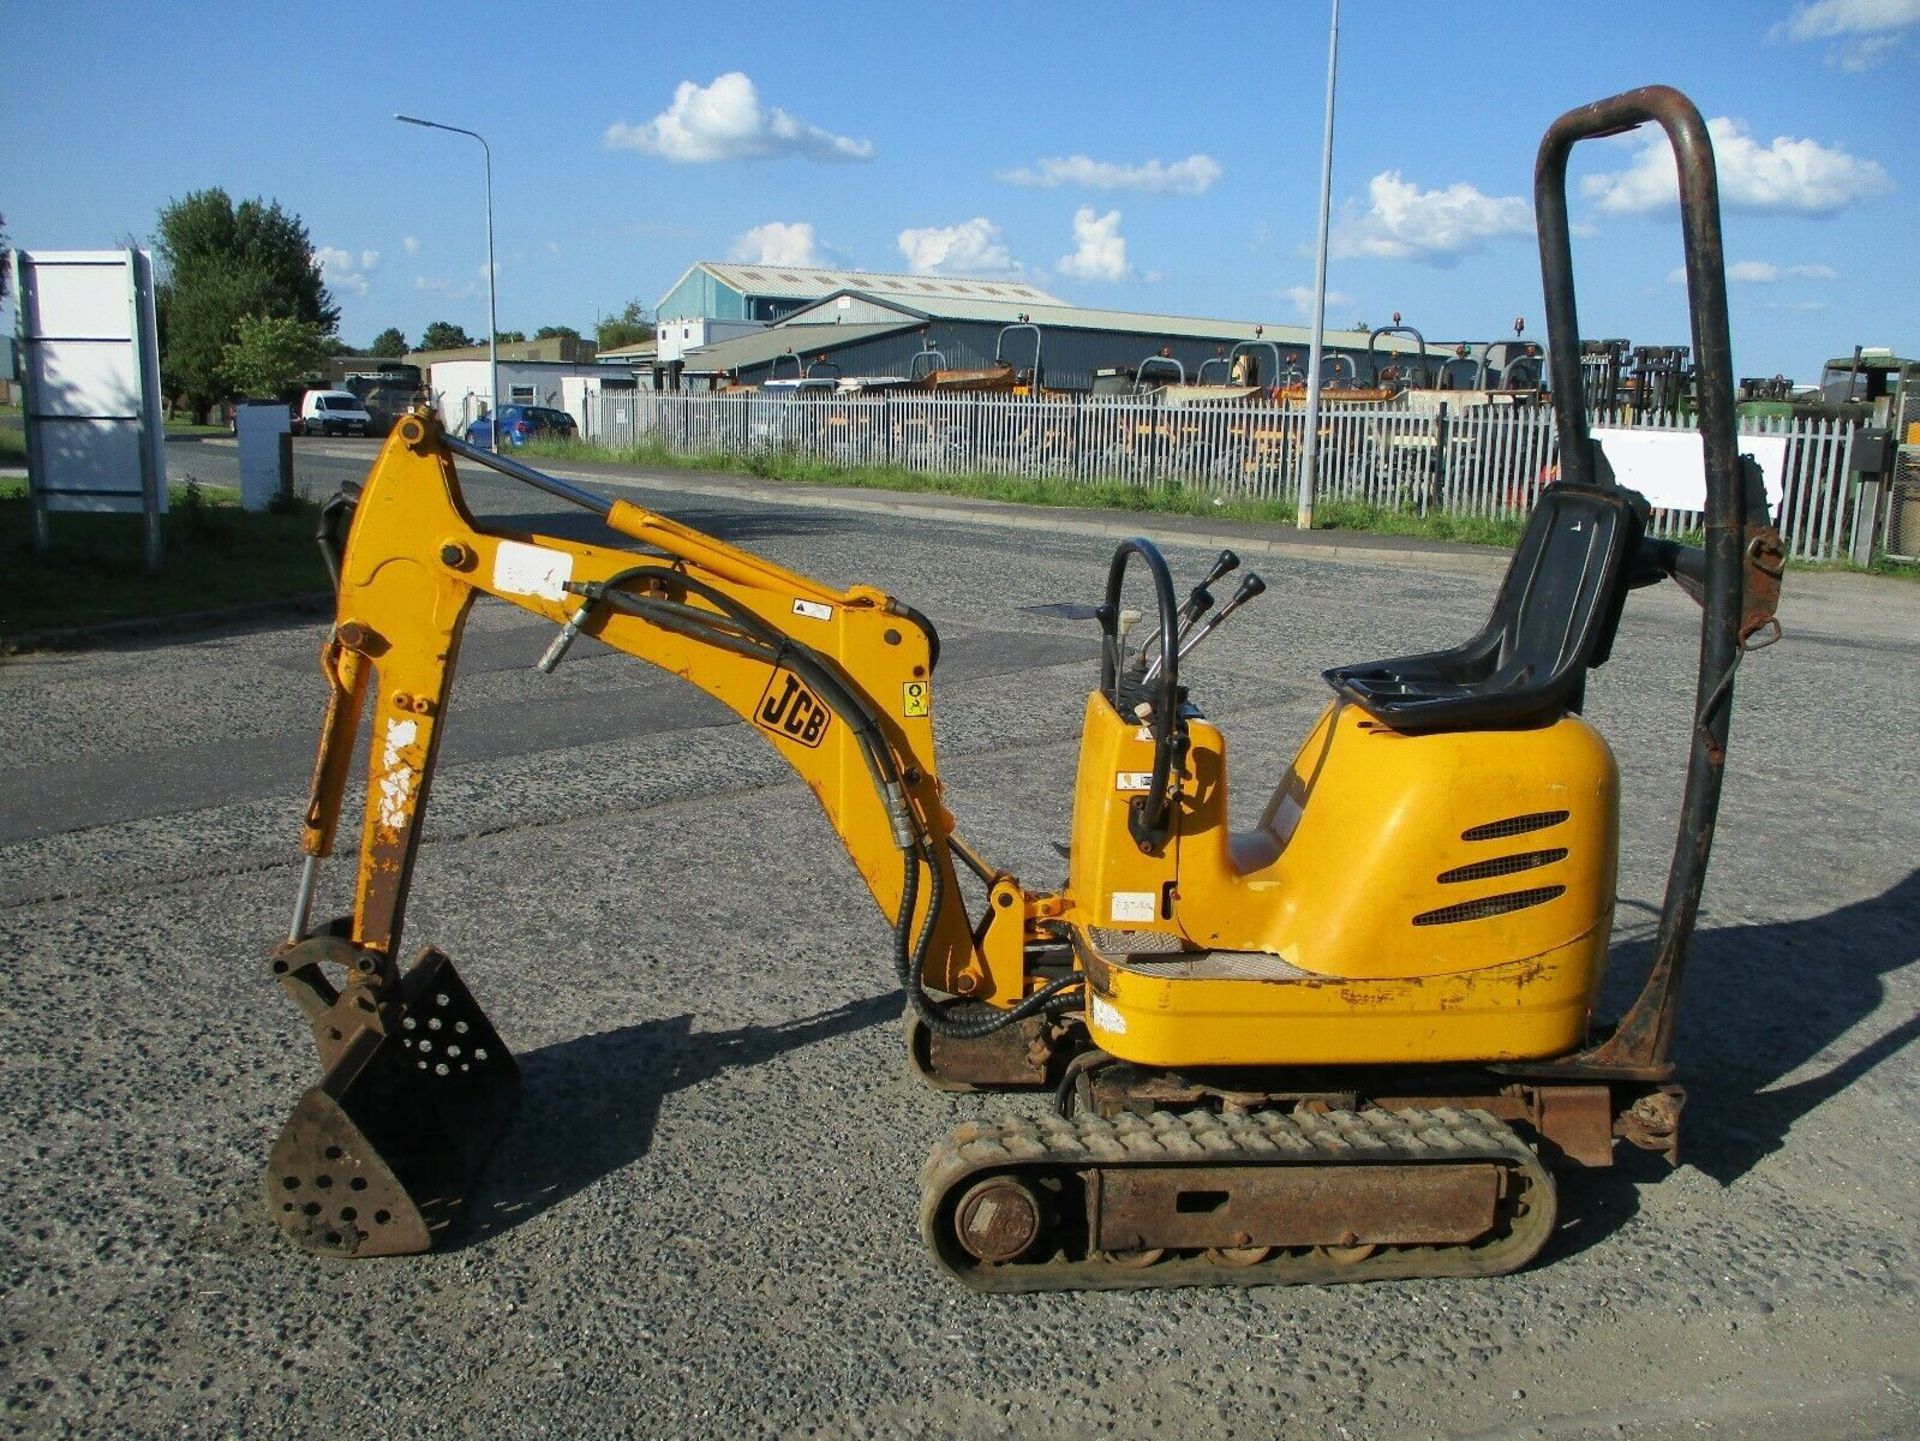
(838, 682)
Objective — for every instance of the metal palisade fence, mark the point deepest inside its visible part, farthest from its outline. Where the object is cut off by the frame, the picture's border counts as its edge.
(1486, 460)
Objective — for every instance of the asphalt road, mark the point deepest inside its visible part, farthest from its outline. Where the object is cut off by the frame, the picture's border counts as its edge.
(702, 1222)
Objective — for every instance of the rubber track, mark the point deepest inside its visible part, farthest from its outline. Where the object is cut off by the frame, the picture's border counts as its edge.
(1051, 1145)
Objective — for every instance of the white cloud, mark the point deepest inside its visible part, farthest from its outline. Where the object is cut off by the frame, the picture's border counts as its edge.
(1787, 176)
(776, 243)
(1863, 32)
(343, 270)
(1100, 250)
(1762, 272)
(553, 248)
(1403, 222)
(973, 247)
(1193, 176)
(726, 121)
(410, 244)
(1301, 297)
(1826, 19)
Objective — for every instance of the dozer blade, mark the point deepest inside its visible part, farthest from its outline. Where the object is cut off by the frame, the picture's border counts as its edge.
(377, 1159)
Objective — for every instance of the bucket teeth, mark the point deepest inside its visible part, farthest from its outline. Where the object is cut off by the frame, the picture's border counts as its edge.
(377, 1159)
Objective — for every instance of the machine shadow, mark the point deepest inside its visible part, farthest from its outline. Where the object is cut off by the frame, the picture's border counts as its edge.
(588, 1106)
(1763, 1001)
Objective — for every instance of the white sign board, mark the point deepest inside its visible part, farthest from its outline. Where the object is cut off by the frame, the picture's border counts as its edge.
(259, 426)
(1668, 467)
(90, 373)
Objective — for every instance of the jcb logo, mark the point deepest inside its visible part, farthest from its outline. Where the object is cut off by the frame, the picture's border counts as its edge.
(789, 709)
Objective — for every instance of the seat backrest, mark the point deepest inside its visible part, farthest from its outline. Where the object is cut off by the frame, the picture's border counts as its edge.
(1563, 575)
(1554, 618)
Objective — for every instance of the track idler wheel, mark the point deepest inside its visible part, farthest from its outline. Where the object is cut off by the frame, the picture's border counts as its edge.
(377, 1158)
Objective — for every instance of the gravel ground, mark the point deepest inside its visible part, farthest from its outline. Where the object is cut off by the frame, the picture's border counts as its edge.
(702, 1222)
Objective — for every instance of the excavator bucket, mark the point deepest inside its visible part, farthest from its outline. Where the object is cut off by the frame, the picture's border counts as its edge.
(377, 1159)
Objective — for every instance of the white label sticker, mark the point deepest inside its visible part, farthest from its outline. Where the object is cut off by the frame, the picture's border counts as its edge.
(812, 609)
(1133, 780)
(1135, 905)
(1106, 1016)
(531, 570)
(1145, 733)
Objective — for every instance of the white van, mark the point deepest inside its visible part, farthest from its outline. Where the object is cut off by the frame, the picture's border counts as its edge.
(334, 412)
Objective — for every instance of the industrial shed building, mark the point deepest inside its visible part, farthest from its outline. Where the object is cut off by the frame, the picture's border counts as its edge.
(766, 294)
(867, 331)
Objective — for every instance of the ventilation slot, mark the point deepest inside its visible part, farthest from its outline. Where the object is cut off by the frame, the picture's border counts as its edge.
(1489, 906)
(1513, 826)
(1502, 866)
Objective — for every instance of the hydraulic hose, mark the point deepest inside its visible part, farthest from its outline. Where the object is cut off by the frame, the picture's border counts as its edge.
(781, 649)
(911, 961)
(750, 634)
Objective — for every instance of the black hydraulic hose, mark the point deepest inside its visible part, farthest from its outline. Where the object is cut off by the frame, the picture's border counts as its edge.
(812, 667)
(909, 953)
(926, 628)
(910, 960)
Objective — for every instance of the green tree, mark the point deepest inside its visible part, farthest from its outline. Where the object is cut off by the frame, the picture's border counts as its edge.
(272, 353)
(389, 344)
(444, 335)
(629, 327)
(556, 332)
(509, 337)
(219, 263)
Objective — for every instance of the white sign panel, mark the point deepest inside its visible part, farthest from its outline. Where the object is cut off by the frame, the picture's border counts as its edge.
(1668, 467)
(90, 372)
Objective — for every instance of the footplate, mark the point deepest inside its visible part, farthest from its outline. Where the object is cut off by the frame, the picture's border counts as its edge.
(1195, 1198)
(378, 1157)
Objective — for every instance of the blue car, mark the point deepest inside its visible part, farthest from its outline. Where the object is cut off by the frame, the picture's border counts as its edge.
(522, 423)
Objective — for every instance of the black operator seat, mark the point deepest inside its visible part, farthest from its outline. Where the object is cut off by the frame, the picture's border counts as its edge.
(1553, 620)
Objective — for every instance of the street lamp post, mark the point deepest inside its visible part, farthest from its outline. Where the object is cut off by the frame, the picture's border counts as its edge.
(1310, 443)
(493, 316)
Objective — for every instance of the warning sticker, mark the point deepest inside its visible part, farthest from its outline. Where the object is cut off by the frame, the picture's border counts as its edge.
(531, 570)
(914, 698)
(1133, 780)
(812, 609)
(1134, 905)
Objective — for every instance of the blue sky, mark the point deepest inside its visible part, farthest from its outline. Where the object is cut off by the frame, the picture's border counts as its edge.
(1154, 157)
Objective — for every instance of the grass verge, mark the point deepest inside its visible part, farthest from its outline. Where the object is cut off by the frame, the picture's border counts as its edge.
(215, 555)
(1170, 498)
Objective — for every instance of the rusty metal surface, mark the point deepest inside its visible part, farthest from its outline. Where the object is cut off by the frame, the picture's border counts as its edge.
(1653, 1122)
(1244, 1206)
(998, 1219)
(1347, 1176)
(377, 1158)
(1017, 1057)
(1576, 1123)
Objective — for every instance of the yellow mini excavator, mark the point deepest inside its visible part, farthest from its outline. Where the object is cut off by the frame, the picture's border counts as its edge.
(1350, 1043)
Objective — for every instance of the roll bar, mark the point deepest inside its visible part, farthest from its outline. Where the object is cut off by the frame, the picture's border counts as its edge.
(1740, 568)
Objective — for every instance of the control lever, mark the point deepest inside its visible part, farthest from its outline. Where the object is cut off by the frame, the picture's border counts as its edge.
(1200, 601)
(1251, 587)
